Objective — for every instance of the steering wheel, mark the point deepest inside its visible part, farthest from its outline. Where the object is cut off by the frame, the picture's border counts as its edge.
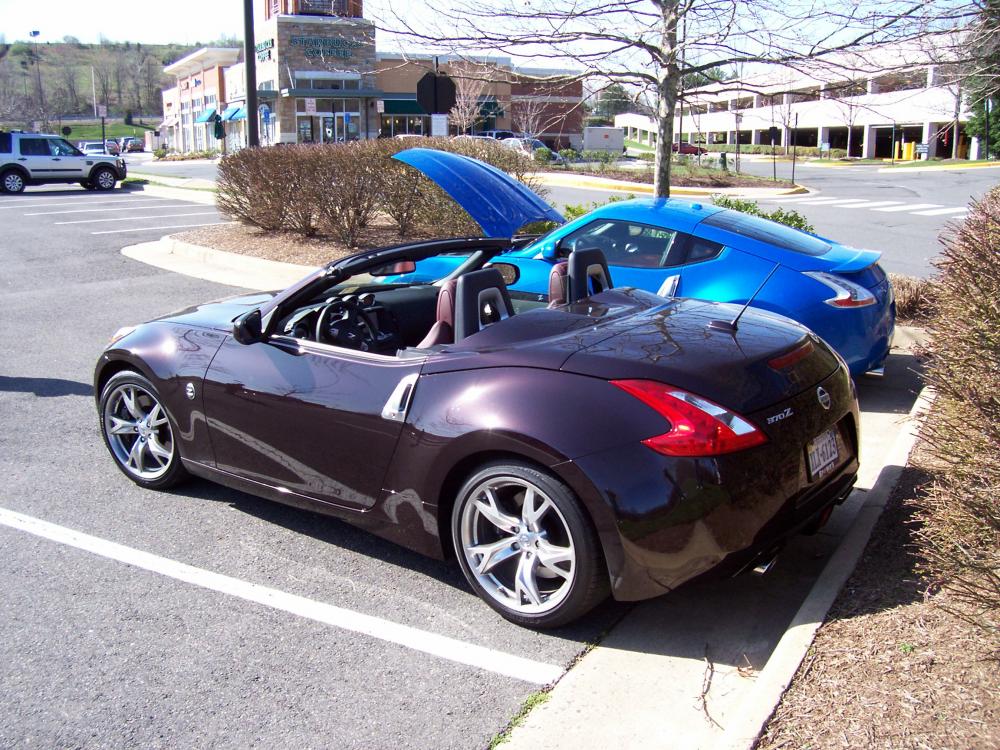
(343, 323)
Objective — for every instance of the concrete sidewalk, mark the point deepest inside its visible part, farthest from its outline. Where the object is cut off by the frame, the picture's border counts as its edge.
(591, 182)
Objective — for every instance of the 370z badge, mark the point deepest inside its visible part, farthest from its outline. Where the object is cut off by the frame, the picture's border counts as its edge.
(780, 415)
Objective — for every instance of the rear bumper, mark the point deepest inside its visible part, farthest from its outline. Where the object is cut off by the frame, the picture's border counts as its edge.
(675, 519)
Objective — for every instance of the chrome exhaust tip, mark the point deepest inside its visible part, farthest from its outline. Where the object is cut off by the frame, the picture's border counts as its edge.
(765, 567)
(876, 372)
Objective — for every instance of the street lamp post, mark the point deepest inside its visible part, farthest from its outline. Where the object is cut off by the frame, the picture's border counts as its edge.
(250, 74)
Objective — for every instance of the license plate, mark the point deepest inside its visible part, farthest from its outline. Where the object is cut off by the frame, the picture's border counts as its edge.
(823, 453)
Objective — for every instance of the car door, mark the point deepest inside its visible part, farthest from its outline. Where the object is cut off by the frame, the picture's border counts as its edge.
(310, 419)
(35, 156)
(68, 161)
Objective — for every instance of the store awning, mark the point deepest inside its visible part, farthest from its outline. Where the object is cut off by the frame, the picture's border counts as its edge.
(231, 111)
(206, 115)
(241, 114)
(403, 107)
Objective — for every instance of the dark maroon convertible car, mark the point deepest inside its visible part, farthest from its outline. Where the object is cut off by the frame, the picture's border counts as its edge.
(606, 440)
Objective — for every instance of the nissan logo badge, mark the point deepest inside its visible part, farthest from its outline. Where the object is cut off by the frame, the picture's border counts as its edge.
(189, 391)
(823, 397)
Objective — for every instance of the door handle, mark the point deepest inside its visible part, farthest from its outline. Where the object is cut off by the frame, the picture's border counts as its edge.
(399, 400)
(56, 158)
(22, 158)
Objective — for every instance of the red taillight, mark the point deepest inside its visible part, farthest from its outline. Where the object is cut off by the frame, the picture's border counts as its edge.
(797, 354)
(698, 427)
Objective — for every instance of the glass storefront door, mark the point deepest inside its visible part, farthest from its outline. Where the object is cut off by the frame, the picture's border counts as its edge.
(329, 130)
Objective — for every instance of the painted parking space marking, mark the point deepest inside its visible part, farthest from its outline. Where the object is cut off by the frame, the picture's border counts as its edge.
(96, 210)
(942, 211)
(136, 218)
(820, 201)
(74, 202)
(450, 649)
(908, 207)
(170, 226)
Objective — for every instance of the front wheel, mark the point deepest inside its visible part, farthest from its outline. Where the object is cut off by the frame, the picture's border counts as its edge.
(139, 432)
(527, 547)
(103, 178)
(12, 181)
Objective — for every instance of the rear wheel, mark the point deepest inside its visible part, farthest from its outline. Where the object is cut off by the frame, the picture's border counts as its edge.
(139, 432)
(12, 181)
(527, 547)
(103, 178)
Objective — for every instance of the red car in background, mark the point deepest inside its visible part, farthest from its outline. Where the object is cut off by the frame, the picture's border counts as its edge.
(687, 148)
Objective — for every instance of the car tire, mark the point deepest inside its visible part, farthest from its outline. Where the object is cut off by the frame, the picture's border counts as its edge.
(12, 181)
(103, 178)
(139, 432)
(536, 558)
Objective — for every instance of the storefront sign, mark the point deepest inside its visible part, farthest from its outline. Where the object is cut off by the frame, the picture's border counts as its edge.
(310, 106)
(264, 50)
(380, 106)
(317, 46)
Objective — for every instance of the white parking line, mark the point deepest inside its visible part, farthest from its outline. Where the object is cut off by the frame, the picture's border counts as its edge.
(819, 201)
(909, 207)
(941, 211)
(134, 218)
(97, 210)
(48, 204)
(171, 226)
(509, 665)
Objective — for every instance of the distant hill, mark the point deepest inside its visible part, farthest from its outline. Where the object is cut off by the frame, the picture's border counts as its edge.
(127, 77)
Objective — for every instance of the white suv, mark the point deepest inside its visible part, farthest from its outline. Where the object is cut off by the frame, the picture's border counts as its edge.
(37, 159)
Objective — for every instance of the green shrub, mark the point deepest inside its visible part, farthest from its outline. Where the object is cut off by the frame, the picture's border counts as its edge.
(576, 210)
(789, 218)
(960, 537)
(159, 153)
(569, 154)
(543, 155)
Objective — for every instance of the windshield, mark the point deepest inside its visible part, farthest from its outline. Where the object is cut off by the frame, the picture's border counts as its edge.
(60, 147)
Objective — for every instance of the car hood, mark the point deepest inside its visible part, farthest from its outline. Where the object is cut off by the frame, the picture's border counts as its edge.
(220, 314)
(629, 333)
(496, 202)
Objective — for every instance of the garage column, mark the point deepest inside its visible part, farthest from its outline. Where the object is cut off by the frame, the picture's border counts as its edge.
(755, 137)
(822, 136)
(868, 147)
(930, 138)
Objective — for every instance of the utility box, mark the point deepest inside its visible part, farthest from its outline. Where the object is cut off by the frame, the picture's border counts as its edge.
(604, 139)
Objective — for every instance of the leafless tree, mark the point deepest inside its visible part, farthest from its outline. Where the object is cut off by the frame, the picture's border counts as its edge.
(527, 114)
(471, 81)
(654, 44)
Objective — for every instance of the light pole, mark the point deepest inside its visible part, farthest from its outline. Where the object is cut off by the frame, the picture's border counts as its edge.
(250, 74)
(38, 72)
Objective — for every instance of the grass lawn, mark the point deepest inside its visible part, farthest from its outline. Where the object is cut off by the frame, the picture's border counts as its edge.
(90, 131)
(639, 146)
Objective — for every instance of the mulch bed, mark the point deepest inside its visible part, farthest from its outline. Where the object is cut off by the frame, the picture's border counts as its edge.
(645, 177)
(891, 668)
(288, 246)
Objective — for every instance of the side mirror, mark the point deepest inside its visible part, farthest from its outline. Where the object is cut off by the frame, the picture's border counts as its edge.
(508, 271)
(550, 251)
(248, 328)
(394, 269)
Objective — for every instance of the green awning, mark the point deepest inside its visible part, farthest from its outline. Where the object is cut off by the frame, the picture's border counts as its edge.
(206, 115)
(230, 112)
(403, 107)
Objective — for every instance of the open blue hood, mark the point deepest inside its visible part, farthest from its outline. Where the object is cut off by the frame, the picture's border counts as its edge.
(496, 202)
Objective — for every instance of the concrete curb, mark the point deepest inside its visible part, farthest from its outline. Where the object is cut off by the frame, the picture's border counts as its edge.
(603, 183)
(939, 168)
(189, 183)
(746, 724)
(231, 269)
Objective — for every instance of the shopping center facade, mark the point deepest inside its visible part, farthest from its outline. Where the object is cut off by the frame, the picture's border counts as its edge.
(320, 79)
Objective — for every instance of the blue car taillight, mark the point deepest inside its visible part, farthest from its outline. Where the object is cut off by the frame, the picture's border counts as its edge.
(848, 293)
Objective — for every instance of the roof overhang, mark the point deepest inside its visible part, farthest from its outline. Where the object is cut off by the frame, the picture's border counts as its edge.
(206, 57)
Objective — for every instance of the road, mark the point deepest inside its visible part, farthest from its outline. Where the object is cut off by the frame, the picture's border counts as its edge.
(153, 631)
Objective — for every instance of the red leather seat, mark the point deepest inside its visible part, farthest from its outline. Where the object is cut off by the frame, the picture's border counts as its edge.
(558, 284)
(443, 330)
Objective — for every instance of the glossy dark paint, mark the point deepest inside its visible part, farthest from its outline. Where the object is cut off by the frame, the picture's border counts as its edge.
(300, 423)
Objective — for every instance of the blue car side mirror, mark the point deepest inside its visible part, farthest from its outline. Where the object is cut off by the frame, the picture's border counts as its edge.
(549, 251)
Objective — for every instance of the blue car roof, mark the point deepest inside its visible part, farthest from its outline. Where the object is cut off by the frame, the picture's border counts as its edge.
(681, 215)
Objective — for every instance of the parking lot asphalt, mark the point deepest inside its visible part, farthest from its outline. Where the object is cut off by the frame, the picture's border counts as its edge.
(206, 617)
(94, 652)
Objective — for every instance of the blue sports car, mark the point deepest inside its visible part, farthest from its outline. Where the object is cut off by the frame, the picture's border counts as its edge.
(680, 249)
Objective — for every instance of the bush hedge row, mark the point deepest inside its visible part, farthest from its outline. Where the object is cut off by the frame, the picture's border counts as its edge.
(339, 189)
(961, 513)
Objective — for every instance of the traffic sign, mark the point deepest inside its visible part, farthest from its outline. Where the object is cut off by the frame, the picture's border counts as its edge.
(102, 110)
(436, 93)
(923, 148)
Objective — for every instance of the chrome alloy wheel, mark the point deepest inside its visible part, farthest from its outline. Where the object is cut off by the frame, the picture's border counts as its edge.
(105, 179)
(13, 182)
(138, 432)
(518, 545)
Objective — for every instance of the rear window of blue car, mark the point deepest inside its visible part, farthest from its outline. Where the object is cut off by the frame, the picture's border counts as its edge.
(771, 232)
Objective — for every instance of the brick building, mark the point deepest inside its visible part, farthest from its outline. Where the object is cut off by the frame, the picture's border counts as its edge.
(320, 79)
